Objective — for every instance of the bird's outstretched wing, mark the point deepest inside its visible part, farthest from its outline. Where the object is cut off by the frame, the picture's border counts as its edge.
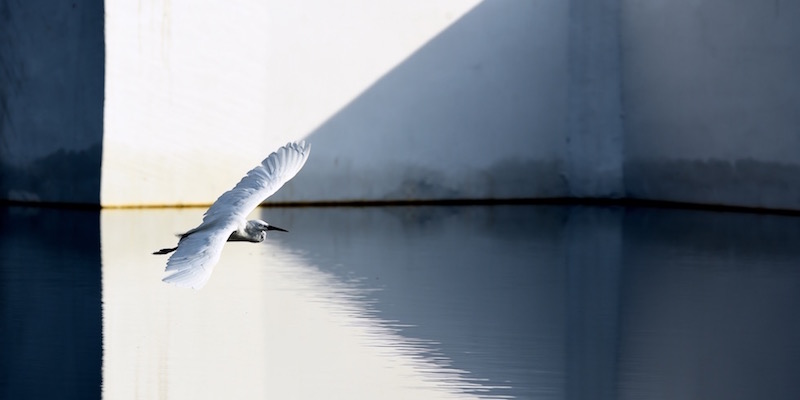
(193, 261)
(199, 249)
(261, 182)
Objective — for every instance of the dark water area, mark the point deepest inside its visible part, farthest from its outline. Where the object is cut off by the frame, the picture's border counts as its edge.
(526, 301)
(50, 309)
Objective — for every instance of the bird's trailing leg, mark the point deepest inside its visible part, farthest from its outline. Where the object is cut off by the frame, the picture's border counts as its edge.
(166, 251)
(180, 235)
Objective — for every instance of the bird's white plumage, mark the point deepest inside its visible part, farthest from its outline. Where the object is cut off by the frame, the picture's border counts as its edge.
(200, 248)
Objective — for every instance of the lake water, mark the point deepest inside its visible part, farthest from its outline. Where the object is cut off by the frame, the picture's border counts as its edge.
(433, 302)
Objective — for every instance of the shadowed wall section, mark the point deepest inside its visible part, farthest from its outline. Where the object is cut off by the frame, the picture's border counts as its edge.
(711, 101)
(52, 59)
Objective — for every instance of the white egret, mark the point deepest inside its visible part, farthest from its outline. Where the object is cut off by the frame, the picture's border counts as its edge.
(199, 249)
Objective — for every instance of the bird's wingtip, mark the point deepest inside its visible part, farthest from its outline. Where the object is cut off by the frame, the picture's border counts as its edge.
(300, 145)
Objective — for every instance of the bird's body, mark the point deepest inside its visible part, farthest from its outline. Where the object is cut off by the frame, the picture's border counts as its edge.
(199, 249)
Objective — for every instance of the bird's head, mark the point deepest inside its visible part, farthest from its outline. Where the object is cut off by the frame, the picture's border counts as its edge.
(260, 228)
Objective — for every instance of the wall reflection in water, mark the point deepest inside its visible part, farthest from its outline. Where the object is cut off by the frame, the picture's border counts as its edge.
(50, 342)
(270, 324)
(709, 306)
(487, 285)
(408, 302)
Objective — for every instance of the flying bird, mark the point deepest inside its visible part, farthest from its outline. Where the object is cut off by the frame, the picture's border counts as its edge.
(199, 249)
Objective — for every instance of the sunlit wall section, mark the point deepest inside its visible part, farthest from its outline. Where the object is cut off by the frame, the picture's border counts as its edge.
(196, 94)
(267, 325)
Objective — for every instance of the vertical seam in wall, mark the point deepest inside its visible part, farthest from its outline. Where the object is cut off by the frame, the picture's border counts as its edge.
(594, 139)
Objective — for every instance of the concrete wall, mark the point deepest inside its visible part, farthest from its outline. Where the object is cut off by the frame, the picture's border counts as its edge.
(475, 112)
(51, 100)
(712, 101)
(594, 136)
(402, 101)
(694, 101)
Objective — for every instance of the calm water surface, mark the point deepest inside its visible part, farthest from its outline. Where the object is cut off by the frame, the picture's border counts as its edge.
(406, 302)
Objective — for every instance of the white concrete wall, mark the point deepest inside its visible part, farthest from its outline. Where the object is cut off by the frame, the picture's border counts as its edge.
(712, 101)
(401, 100)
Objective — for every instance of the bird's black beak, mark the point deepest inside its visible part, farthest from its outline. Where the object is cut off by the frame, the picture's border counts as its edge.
(275, 228)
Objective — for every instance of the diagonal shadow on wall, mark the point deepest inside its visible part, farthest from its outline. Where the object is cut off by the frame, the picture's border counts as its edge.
(477, 112)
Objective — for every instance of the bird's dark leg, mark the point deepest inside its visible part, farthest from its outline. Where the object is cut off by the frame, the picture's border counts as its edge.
(181, 236)
(166, 251)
